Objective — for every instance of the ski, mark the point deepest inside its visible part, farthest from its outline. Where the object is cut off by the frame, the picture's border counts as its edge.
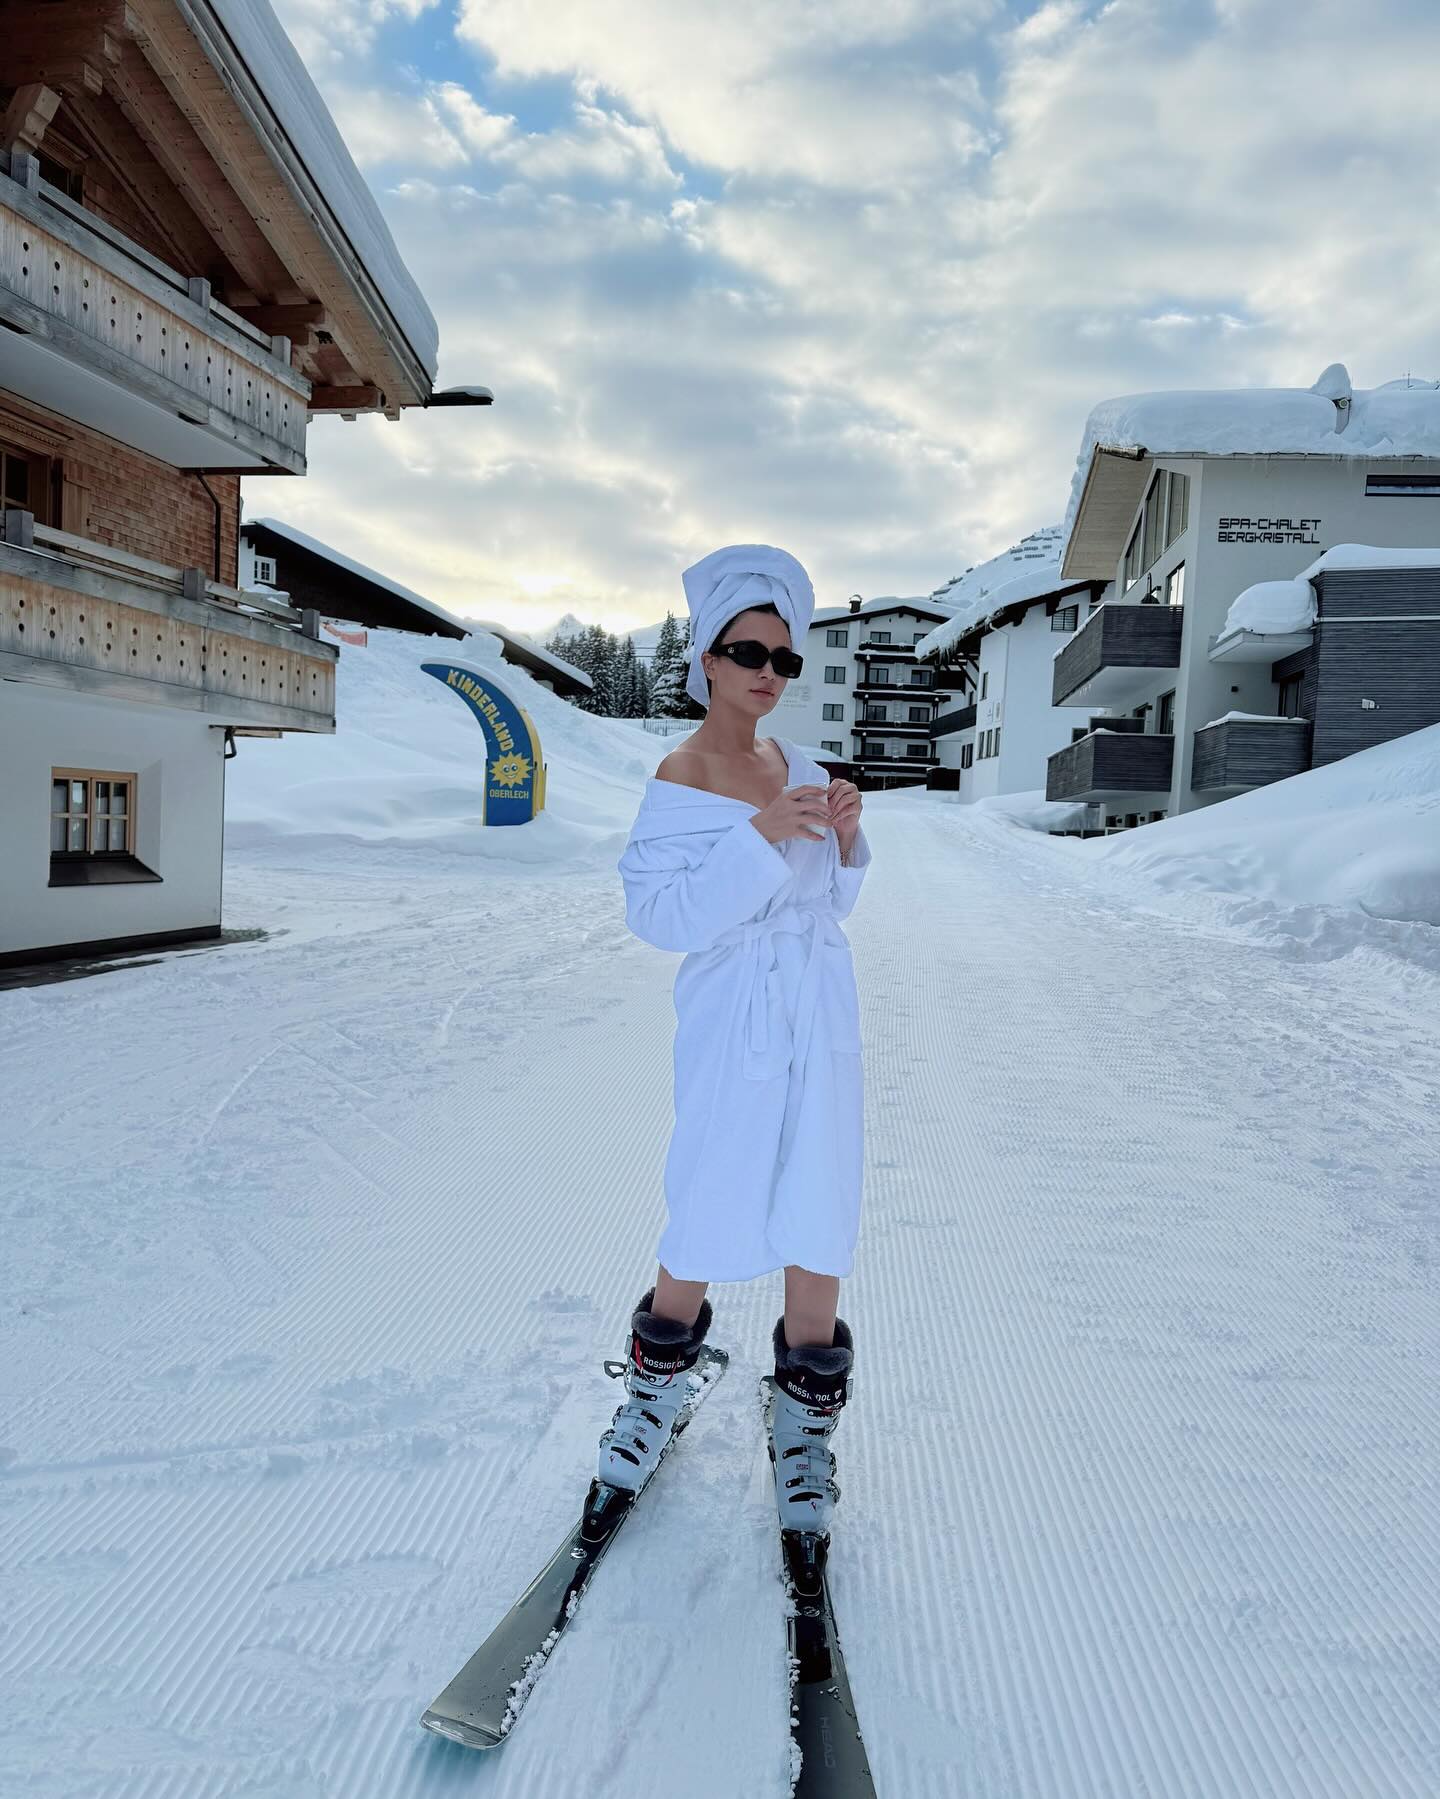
(827, 1751)
(479, 1707)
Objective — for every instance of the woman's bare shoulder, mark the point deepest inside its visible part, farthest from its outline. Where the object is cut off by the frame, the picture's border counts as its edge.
(682, 766)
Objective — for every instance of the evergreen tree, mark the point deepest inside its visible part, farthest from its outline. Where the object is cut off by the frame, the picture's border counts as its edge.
(668, 670)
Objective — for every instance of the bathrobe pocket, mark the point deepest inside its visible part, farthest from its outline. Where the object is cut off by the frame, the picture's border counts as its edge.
(841, 1000)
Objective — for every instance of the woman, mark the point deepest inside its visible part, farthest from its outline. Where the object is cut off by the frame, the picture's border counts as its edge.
(745, 856)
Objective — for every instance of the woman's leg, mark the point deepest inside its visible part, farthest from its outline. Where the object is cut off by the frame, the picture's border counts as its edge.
(679, 1300)
(810, 1304)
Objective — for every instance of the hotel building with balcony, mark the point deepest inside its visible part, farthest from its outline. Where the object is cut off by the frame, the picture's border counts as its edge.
(863, 701)
(1183, 502)
(999, 640)
(190, 270)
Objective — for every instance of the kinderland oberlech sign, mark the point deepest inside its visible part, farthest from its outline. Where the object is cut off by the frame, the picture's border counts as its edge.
(514, 789)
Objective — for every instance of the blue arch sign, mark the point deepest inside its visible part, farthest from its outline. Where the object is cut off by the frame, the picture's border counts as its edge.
(514, 789)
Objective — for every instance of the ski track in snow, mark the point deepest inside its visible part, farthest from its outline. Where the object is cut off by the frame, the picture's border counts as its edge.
(314, 1248)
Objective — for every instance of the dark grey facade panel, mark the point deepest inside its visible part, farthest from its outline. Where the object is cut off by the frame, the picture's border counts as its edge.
(1395, 663)
(1242, 753)
(1119, 636)
(1128, 762)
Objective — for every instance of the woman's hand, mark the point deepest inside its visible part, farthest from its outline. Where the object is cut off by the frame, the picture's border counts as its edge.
(799, 812)
(844, 803)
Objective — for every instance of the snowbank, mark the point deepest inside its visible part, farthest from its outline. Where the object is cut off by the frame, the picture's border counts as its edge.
(1030, 810)
(405, 766)
(1361, 834)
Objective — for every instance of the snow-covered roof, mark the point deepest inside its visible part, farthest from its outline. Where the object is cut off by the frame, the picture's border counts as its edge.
(1028, 570)
(338, 559)
(891, 602)
(547, 658)
(301, 124)
(1398, 419)
(1367, 555)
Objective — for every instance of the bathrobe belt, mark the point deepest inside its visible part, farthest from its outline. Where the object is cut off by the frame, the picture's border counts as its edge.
(771, 1047)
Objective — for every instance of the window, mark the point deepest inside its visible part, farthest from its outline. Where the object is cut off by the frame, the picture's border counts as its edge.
(834, 674)
(995, 741)
(918, 715)
(879, 677)
(833, 711)
(829, 743)
(1163, 516)
(985, 684)
(1165, 714)
(26, 481)
(58, 175)
(1175, 586)
(921, 677)
(837, 637)
(1413, 485)
(879, 637)
(1291, 691)
(1067, 618)
(915, 638)
(1078, 731)
(967, 755)
(91, 814)
(875, 712)
(917, 749)
(265, 570)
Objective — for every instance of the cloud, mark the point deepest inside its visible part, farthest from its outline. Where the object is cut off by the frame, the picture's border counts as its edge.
(849, 277)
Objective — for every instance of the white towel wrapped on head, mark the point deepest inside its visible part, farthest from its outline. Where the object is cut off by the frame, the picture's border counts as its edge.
(732, 580)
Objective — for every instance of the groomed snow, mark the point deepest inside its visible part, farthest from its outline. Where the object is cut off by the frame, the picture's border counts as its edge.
(314, 1246)
(260, 43)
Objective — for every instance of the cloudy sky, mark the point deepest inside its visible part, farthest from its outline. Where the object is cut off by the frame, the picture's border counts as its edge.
(844, 275)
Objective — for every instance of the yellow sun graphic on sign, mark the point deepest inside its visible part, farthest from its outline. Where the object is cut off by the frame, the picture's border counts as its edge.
(511, 770)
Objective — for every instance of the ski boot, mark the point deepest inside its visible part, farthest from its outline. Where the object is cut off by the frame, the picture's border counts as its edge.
(805, 1398)
(662, 1351)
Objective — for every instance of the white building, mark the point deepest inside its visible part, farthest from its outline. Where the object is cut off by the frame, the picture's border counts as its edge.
(1001, 638)
(863, 700)
(1180, 502)
(191, 268)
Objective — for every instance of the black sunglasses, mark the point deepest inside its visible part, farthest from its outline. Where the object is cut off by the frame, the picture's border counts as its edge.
(749, 654)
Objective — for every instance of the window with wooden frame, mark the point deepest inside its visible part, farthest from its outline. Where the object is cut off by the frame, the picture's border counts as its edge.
(27, 482)
(92, 813)
(92, 828)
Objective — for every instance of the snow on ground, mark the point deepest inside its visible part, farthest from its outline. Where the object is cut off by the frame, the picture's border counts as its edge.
(314, 1247)
(1341, 847)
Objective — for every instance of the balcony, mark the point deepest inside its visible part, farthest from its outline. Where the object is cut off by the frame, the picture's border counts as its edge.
(1237, 754)
(1116, 655)
(874, 646)
(1112, 765)
(961, 720)
(102, 332)
(893, 689)
(891, 727)
(97, 620)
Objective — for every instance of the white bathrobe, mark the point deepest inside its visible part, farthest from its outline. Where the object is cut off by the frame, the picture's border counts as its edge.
(765, 1161)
